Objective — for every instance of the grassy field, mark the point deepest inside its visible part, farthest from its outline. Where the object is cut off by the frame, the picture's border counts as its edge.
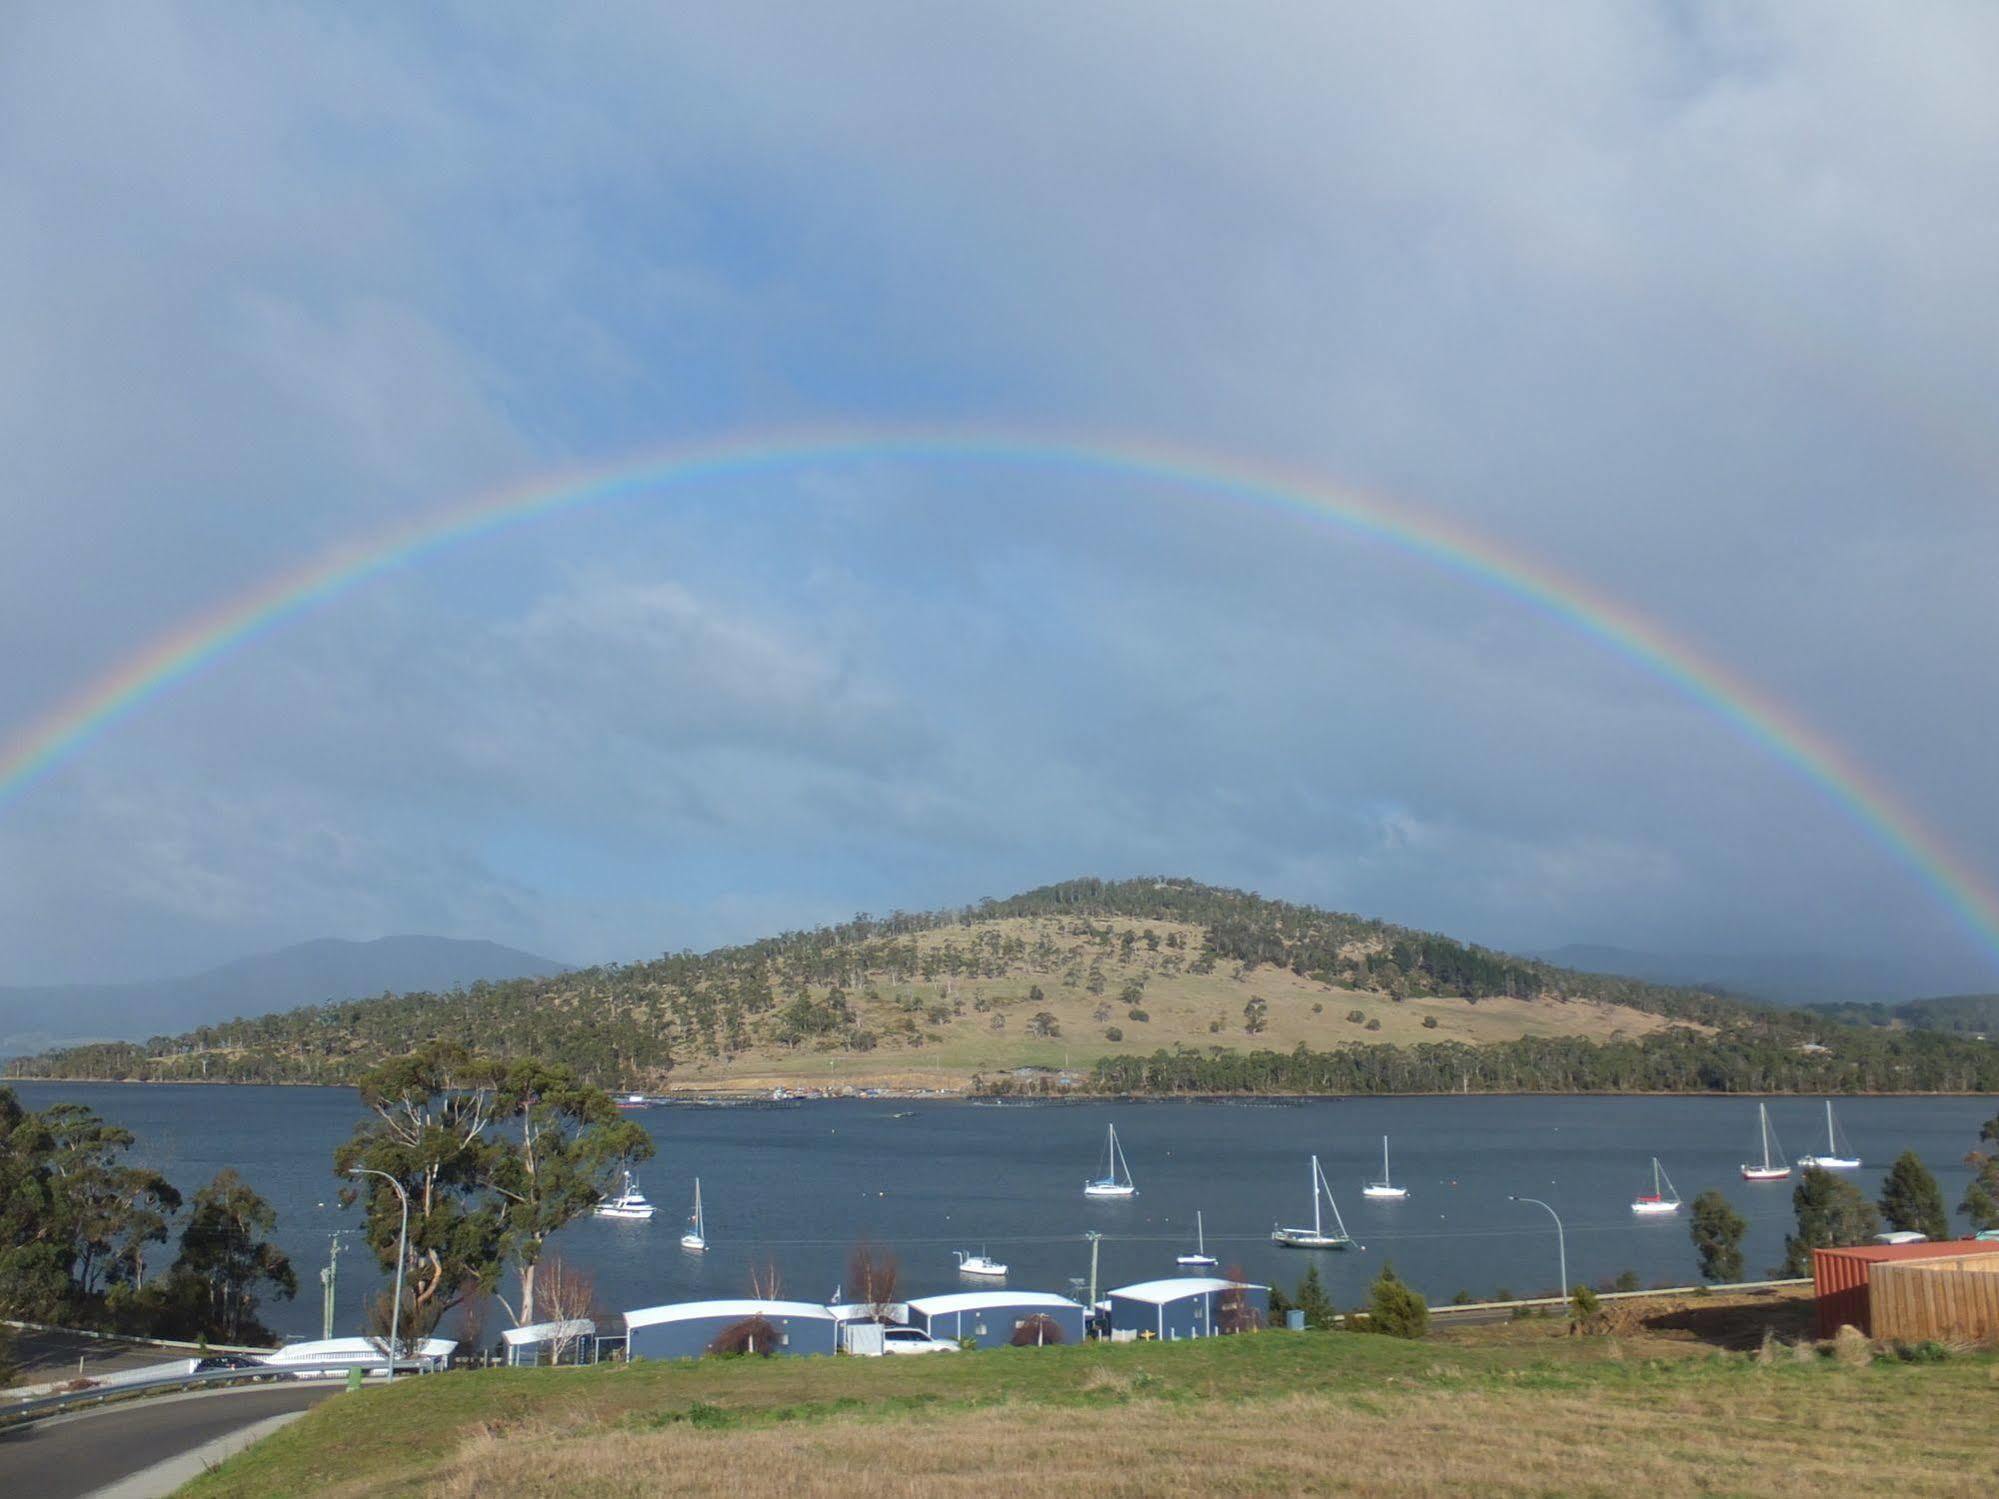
(988, 1027)
(1517, 1409)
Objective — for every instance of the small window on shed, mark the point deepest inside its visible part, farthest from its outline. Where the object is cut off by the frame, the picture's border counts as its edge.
(979, 1327)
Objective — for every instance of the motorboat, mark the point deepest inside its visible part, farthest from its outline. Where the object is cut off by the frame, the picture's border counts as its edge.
(630, 1203)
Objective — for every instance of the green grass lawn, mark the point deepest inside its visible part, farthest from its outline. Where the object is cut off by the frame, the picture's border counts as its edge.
(559, 1431)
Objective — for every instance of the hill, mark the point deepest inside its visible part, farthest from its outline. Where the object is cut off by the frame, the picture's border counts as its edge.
(1141, 985)
(306, 973)
(1960, 1014)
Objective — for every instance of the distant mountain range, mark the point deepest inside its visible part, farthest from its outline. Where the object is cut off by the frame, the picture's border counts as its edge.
(1781, 978)
(35, 1018)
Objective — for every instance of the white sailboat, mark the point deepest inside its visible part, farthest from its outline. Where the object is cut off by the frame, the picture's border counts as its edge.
(630, 1203)
(1200, 1256)
(1316, 1236)
(1773, 1168)
(696, 1237)
(1663, 1198)
(1838, 1154)
(1385, 1189)
(1115, 1181)
(981, 1266)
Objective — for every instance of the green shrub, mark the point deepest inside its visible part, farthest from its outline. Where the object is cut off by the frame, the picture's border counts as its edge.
(1394, 1309)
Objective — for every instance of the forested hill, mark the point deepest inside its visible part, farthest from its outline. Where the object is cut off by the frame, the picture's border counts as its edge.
(1964, 1014)
(1074, 977)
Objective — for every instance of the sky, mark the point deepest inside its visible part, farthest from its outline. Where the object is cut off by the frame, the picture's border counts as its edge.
(1696, 303)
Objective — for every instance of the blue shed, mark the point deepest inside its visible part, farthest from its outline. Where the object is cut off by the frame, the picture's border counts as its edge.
(687, 1329)
(1187, 1306)
(991, 1318)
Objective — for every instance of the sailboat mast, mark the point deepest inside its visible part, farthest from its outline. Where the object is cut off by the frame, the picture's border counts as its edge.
(1315, 1197)
(1831, 1145)
(1384, 1160)
(1200, 1234)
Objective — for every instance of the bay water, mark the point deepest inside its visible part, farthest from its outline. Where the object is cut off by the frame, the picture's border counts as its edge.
(796, 1187)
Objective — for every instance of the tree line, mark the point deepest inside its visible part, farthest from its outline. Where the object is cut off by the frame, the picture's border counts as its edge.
(1748, 1059)
(83, 1230)
(493, 1155)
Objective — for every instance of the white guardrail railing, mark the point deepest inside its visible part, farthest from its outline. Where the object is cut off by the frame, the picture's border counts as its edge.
(1445, 1310)
(44, 1406)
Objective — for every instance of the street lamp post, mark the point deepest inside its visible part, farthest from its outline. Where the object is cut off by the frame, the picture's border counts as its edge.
(402, 1254)
(1561, 1243)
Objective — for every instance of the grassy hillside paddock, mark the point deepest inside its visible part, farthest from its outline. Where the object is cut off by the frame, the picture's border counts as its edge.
(1521, 1409)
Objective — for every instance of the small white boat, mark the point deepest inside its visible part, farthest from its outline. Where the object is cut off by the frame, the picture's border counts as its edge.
(1316, 1236)
(1115, 1179)
(1773, 1168)
(630, 1203)
(1838, 1154)
(1200, 1256)
(982, 1266)
(696, 1237)
(1384, 1190)
(1663, 1198)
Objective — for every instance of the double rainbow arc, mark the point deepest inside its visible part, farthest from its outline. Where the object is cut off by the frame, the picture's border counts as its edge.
(1754, 714)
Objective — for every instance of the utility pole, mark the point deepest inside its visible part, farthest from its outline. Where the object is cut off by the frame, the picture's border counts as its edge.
(327, 1279)
(1095, 1239)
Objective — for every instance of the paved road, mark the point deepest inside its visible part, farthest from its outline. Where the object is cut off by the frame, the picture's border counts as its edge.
(44, 1355)
(75, 1455)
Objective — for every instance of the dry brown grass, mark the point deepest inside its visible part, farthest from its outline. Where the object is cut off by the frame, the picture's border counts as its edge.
(1767, 1437)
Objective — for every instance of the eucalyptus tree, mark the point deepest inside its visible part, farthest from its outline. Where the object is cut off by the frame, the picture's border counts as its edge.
(428, 1116)
(226, 1257)
(555, 1143)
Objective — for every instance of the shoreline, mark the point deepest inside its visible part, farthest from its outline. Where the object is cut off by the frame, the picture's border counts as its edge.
(964, 1095)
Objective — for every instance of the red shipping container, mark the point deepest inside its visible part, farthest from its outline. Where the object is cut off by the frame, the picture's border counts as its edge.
(1839, 1278)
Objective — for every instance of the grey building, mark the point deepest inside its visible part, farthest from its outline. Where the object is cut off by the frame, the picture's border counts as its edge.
(1185, 1306)
(687, 1329)
(990, 1318)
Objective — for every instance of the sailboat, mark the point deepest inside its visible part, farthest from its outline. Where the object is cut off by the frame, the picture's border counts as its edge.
(1664, 1196)
(629, 1203)
(696, 1237)
(1116, 1180)
(1773, 1168)
(1385, 1189)
(1834, 1158)
(1200, 1256)
(1316, 1236)
(980, 1265)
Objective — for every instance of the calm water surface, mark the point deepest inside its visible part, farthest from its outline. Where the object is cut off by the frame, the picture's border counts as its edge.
(799, 1186)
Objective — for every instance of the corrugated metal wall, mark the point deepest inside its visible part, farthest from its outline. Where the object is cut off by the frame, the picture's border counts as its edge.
(1951, 1300)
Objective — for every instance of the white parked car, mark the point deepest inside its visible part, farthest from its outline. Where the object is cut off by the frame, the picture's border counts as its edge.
(913, 1340)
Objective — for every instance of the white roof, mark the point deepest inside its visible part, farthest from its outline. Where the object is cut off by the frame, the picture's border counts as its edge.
(861, 1311)
(1162, 1291)
(689, 1311)
(975, 1301)
(548, 1332)
(339, 1348)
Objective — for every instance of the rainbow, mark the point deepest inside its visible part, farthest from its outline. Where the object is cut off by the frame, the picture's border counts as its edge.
(1755, 715)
